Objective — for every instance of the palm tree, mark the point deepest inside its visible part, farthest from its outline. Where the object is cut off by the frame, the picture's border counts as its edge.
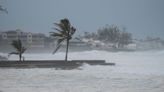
(17, 44)
(64, 32)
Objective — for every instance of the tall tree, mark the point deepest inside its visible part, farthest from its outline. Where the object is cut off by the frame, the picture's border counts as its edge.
(64, 32)
(113, 34)
(124, 39)
(109, 34)
(17, 44)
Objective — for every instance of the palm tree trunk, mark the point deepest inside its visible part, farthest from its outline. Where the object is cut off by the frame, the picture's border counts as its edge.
(66, 56)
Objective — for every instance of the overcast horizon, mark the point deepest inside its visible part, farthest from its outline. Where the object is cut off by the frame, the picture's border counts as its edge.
(142, 18)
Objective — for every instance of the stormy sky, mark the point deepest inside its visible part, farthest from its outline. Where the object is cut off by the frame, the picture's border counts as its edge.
(141, 17)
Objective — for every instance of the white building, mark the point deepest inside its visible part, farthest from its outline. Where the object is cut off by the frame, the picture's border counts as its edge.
(27, 38)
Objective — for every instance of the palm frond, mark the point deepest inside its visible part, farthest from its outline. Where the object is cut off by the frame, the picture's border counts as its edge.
(20, 44)
(59, 30)
(73, 30)
(60, 41)
(61, 27)
(17, 44)
(58, 45)
(54, 34)
(23, 49)
(15, 53)
(57, 48)
(66, 24)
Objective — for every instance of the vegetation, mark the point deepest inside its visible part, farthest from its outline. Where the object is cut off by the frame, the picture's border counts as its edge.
(17, 44)
(64, 32)
(111, 34)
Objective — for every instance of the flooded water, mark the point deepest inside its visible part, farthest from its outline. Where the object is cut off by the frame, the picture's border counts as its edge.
(134, 72)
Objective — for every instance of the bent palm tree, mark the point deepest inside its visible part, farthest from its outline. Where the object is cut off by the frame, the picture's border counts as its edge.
(65, 32)
(17, 44)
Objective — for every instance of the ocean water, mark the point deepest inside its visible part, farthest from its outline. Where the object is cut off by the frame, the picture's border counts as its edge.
(139, 71)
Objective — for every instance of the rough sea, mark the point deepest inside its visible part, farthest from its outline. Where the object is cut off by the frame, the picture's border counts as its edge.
(137, 71)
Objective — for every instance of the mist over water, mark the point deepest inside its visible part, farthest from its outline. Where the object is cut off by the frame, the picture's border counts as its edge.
(139, 62)
(138, 71)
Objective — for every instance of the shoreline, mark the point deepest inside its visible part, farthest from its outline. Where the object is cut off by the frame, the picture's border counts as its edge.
(51, 63)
